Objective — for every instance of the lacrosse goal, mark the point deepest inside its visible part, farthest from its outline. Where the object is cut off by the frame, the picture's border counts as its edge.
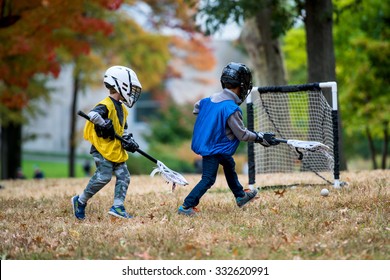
(301, 112)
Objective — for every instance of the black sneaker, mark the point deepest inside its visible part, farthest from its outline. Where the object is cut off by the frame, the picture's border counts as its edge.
(249, 195)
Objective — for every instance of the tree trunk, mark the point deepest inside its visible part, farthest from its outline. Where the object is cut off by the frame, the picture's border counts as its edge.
(372, 148)
(72, 134)
(11, 147)
(264, 51)
(319, 41)
(268, 68)
(385, 144)
(320, 52)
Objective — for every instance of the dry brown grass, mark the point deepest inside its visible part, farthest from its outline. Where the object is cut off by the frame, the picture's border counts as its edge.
(353, 223)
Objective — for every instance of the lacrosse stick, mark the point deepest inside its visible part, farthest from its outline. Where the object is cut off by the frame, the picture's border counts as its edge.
(311, 146)
(169, 175)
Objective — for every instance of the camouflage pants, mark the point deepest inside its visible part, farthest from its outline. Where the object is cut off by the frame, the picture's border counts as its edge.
(103, 174)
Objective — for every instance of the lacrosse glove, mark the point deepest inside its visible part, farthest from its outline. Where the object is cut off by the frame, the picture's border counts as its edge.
(106, 130)
(266, 139)
(129, 144)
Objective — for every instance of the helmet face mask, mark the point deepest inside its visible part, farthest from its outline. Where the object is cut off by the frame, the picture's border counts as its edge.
(237, 75)
(125, 82)
(135, 93)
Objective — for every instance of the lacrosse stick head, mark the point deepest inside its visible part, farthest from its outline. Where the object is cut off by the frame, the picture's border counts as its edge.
(311, 146)
(306, 147)
(169, 175)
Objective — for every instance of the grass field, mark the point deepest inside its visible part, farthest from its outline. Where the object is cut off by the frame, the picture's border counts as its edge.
(50, 169)
(37, 222)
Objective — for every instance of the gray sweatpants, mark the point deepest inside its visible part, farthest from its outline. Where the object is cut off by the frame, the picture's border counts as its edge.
(103, 175)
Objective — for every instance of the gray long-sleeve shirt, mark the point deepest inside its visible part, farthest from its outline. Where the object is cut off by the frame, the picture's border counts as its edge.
(235, 126)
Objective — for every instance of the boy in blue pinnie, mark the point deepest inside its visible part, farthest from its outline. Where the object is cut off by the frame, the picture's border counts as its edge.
(218, 130)
(107, 118)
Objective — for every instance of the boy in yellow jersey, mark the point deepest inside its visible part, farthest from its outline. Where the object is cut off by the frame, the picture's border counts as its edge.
(110, 154)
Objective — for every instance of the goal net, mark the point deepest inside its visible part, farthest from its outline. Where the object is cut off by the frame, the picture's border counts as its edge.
(298, 112)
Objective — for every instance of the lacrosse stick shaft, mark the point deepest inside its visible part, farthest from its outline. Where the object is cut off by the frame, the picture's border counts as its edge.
(280, 140)
(117, 136)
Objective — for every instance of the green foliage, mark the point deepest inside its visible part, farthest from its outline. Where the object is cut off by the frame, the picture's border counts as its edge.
(174, 125)
(36, 91)
(361, 38)
(145, 52)
(219, 13)
(294, 50)
(171, 130)
(363, 55)
(356, 148)
(138, 164)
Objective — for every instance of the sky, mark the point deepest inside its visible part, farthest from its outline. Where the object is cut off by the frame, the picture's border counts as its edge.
(229, 32)
(140, 11)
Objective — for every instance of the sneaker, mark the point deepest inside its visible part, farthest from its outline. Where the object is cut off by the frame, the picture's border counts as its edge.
(249, 195)
(119, 212)
(78, 208)
(191, 211)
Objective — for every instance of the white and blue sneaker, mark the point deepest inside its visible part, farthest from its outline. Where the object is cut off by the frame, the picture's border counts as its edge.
(119, 212)
(78, 208)
(191, 211)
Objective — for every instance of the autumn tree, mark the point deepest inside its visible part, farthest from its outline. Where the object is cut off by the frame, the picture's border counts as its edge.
(31, 32)
(41, 35)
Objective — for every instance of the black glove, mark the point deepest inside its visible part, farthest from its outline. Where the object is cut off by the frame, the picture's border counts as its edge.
(129, 144)
(266, 139)
(106, 130)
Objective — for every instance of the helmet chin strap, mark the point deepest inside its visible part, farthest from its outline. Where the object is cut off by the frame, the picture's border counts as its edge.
(241, 94)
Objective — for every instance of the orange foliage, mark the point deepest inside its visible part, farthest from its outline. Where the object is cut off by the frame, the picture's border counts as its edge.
(192, 48)
(111, 4)
(196, 52)
(86, 25)
(28, 44)
(14, 101)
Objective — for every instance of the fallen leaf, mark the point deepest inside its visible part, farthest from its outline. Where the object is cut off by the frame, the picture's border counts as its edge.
(235, 252)
(145, 256)
(280, 193)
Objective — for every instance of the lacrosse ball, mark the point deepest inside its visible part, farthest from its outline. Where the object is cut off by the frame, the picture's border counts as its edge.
(324, 192)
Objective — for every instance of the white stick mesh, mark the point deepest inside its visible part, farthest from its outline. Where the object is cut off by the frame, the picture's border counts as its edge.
(169, 175)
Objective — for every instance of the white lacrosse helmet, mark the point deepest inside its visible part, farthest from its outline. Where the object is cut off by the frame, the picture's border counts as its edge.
(125, 82)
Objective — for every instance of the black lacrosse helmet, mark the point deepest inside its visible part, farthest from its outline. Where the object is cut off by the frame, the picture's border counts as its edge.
(237, 75)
